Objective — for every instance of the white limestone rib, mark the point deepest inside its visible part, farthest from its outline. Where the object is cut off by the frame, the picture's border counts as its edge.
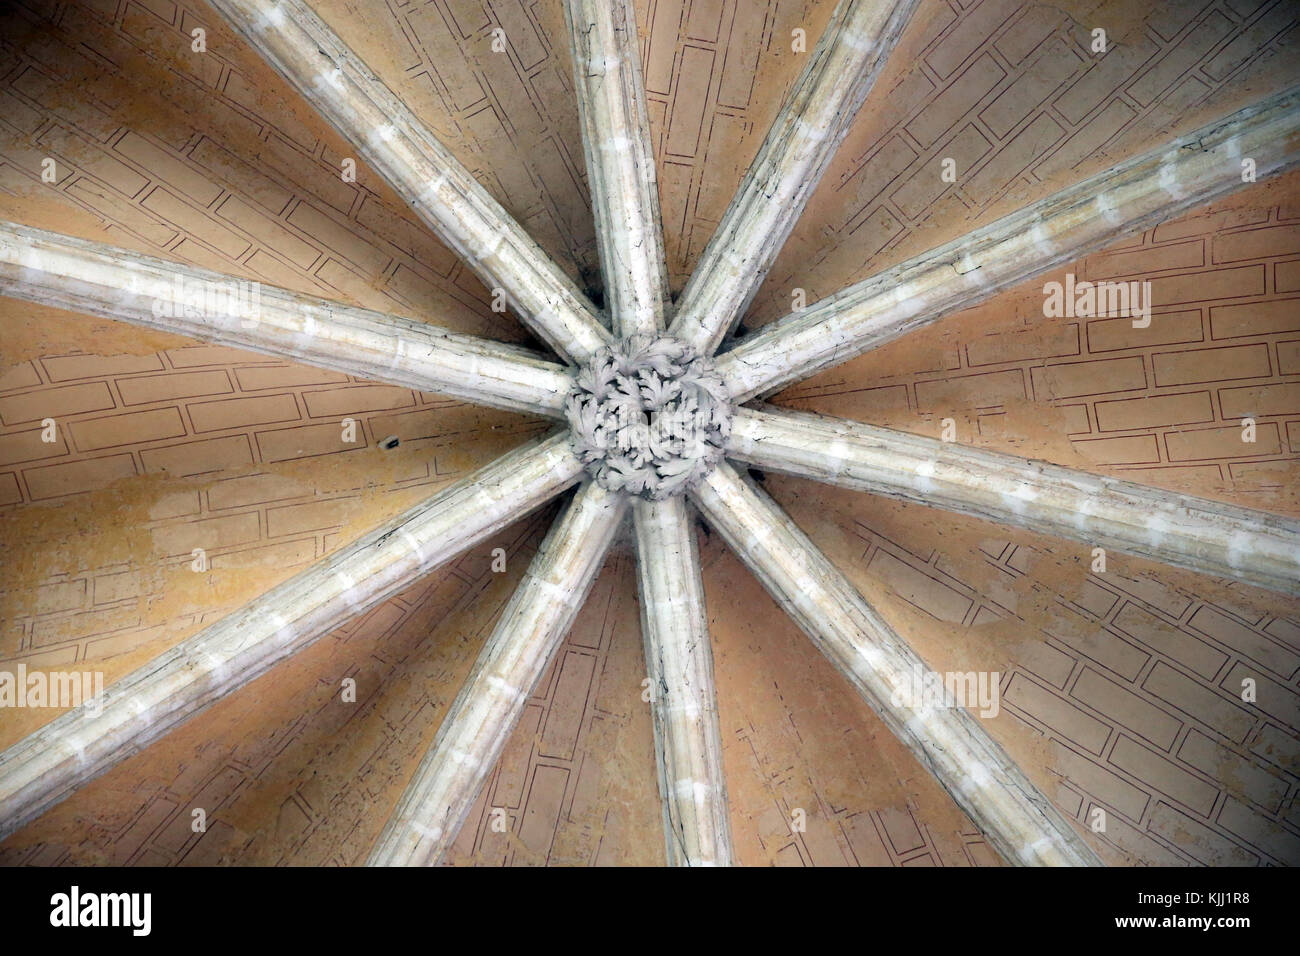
(1133, 195)
(82, 276)
(1188, 532)
(320, 66)
(1016, 818)
(474, 732)
(794, 155)
(683, 701)
(46, 766)
(620, 161)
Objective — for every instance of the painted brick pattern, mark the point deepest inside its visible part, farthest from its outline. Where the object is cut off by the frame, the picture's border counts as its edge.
(221, 769)
(197, 413)
(716, 72)
(211, 160)
(1138, 685)
(1013, 93)
(1164, 403)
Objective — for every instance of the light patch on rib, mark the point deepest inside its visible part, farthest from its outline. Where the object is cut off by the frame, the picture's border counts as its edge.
(1031, 852)
(919, 724)
(1240, 544)
(270, 19)
(925, 477)
(1169, 181)
(811, 131)
(687, 706)
(414, 545)
(871, 655)
(1108, 209)
(971, 269)
(692, 789)
(1043, 239)
(838, 456)
(1157, 528)
(493, 243)
(506, 688)
(759, 537)
(431, 191)
(332, 80)
(553, 592)
(433, 833)
(464, 758)
(733, 257)
(977, 779)
(605, 64)
(1082, 514)
(862, 42)
(75, 750)
(1018, 497)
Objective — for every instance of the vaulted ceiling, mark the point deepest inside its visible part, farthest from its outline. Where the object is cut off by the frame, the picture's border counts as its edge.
(1120, 689)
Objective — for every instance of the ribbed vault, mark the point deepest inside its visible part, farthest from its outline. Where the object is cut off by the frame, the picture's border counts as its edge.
(1013, 238)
